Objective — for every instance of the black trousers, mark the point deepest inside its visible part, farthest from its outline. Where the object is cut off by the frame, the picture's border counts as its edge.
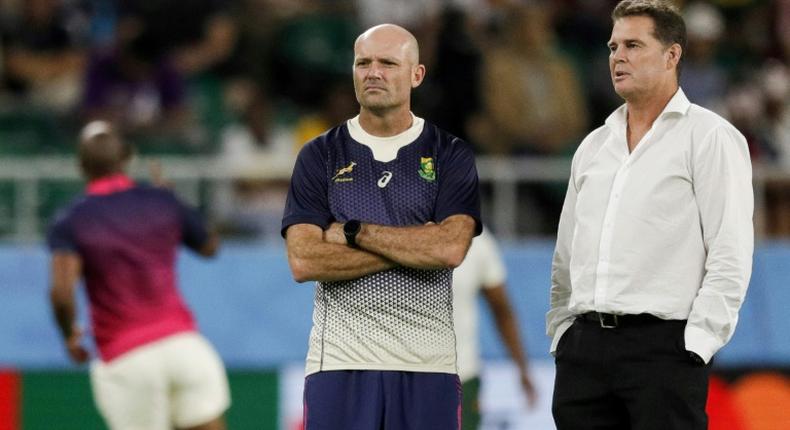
(633, 377)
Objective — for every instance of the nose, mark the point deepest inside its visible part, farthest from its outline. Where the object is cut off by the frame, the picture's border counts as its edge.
(374, 71)
(618, 55)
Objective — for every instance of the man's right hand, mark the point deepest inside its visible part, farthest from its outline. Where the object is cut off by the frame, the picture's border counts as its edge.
(334, 234)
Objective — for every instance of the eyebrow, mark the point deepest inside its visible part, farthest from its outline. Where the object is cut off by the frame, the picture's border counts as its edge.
(626, 41)
(380, 59)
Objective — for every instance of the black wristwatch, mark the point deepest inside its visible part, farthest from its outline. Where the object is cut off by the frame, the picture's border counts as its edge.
(351, 228)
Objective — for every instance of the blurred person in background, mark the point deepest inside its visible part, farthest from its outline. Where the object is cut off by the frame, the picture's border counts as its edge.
(761, 108)
(257, 153)
(483, 271)
(451, 94)
(654, 247)
(154, 370)
(380, 210)
(312, 53)
(532, 101)
(580, 26)
(135, 86)
(45, 46)
(532, 106)
(198, 36)
(704, 79)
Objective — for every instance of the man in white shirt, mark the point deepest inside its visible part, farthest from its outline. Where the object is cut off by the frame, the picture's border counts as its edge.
(483, 271)
(655, 242)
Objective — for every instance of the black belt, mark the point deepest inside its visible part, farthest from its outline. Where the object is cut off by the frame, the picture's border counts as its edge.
(614, 321)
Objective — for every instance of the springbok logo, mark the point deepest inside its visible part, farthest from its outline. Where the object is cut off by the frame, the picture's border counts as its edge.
(426, 169)
(343, 171)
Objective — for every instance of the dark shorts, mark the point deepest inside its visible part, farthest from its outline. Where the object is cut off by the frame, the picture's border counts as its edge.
(382, 400)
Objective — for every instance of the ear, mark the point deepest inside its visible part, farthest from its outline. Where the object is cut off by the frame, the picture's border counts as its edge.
(417, 75)
(673, 56)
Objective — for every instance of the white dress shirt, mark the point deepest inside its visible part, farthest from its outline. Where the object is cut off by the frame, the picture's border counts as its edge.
(666, 229)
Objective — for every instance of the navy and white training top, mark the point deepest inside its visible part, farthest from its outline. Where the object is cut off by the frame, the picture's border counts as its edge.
(398, 319)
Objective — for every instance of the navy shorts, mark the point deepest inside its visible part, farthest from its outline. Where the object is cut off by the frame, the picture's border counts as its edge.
(382, 400)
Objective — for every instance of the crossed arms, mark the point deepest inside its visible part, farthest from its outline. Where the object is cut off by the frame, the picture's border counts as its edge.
(318, 255)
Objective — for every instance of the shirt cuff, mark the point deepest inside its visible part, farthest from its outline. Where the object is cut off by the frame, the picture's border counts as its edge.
(702, 343)
(558, 332)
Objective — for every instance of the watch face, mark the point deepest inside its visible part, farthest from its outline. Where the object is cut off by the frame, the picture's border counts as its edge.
(351, 227)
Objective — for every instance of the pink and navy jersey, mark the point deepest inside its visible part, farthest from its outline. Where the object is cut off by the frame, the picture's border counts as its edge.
(128, 236)
(398, 319)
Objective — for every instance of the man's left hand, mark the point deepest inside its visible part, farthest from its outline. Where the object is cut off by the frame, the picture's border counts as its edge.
(77, 351)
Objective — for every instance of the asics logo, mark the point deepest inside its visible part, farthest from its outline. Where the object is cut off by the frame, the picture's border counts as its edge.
(385, 179)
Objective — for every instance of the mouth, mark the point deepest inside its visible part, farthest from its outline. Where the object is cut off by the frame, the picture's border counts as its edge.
(619, 75)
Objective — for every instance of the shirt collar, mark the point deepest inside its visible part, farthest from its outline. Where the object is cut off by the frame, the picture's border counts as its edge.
(109, 184)
(679, 103)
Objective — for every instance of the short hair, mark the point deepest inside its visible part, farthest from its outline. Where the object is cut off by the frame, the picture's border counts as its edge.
(668, 24)
(101, 150)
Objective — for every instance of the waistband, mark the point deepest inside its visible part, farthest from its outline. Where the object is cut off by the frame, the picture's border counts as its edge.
(614, 321)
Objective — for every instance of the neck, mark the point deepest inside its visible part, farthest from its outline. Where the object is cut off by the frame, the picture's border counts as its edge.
(385, 124)
(643, 111)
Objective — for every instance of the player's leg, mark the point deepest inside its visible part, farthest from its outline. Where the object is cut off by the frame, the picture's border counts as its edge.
(664, 389)
(470, 409)
(343, 400)
(199, 392)
(421, 401)
(130, 391)
(583, 398)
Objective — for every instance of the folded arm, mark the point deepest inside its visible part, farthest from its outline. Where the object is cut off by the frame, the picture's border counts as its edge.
(313, 257)
(430, 246)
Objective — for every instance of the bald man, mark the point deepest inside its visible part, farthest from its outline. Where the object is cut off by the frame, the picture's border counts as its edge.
(154, 370)
(380, 210)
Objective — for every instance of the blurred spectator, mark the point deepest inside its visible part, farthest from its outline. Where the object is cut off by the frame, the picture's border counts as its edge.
(451, 94)
(44, 49)
(703, 80)
(198, 35)
(532, 99)
(745, 108)
(774, 81)
(313, 51)
(532, 105)
(582, 28)
(135, 86)
(257, 151)
(336, 106)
